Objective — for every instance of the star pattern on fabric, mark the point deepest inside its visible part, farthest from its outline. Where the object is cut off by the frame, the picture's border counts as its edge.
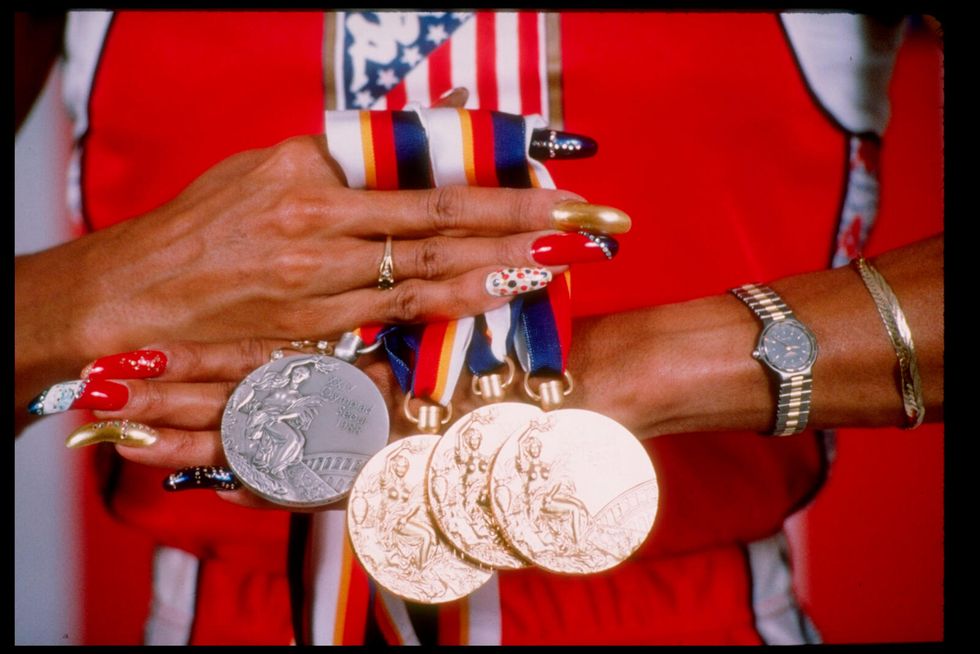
(387, 78)
(363, 99)
(380, 49)
(411, 56)
(436, 34)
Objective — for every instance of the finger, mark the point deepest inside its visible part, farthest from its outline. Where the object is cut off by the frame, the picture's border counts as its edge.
(222, 480)
(416, 300)
(443, 257)
(178, 448)
(469, 211)
(217, 478)
(121, 432)
(173, 404)
(187, 361)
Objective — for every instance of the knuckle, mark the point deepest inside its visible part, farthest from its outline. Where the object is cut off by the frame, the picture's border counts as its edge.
(183, 444)
(431, 259)
(294, 269)
(147, 400)
(251, 353)
(513, 251)
(189, 355)
(292, 217)
(406, 303)
(445, 207)
(525, 210)
(289, 156)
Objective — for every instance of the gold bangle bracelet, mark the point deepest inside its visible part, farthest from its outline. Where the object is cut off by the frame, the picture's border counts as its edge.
(901, 338)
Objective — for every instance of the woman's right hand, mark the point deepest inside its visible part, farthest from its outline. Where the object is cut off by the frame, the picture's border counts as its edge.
(270, 243)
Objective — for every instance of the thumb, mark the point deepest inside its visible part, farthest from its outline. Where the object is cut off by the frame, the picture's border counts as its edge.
(453, 98)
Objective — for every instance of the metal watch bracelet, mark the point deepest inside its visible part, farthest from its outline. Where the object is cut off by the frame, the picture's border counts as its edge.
(794, 388)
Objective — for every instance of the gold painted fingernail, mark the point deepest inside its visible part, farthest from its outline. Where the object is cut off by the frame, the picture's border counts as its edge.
(573, 215)
(122, 432)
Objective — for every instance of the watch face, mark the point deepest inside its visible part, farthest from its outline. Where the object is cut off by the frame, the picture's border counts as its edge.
(788, 346)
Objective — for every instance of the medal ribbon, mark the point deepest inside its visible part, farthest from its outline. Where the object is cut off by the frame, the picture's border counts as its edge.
(422, 148)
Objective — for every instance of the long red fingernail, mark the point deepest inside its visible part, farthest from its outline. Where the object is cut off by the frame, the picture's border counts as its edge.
(96, 394)
(577, 247)
(138, 364)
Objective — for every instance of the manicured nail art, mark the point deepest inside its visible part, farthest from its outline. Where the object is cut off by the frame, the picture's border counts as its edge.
(97, 394)
(553, 144)
(138, 364)
(202, 477)
(514, 281)
(580, 247)
(123, 432)
(573, 216)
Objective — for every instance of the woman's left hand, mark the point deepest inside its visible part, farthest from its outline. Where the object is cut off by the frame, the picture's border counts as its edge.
(172, 397)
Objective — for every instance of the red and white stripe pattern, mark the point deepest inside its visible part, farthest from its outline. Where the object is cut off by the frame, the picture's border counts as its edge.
(516, 83)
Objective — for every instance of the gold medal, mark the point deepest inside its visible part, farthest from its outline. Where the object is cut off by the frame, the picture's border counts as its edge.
(573, 492)
(393, 534)
(457, 479)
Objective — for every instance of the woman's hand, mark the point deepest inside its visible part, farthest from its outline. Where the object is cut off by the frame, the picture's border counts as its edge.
(270, 243)
(174, 400)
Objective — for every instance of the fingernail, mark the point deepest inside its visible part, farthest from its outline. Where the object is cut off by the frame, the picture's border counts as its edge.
(138, 364)
(456, 91)
(580, 247)
(123, 432)
(552, 144)
(202, 477)
(97, 394)
(514, 281)
(572, 216)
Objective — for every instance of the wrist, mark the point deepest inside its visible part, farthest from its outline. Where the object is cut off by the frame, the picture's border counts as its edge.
(677, 368)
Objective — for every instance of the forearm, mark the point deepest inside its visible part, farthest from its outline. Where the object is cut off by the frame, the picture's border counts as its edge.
(687, 367)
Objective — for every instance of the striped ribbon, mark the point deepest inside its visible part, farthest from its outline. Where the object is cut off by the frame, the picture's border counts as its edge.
(439, 360)
(492, 334)
(383, 150)
(421, 148)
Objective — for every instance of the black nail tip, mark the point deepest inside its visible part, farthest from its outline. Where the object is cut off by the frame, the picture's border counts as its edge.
(608, 245)
(611, 245)
(36, 406)
(553, 144)
(201, 477)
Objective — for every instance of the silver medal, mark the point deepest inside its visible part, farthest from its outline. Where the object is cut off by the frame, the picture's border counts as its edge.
(297, 430)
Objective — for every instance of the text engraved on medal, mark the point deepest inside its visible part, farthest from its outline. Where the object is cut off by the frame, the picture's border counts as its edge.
(457, 481)
(297, 430)
(393, 535)
(574, 492)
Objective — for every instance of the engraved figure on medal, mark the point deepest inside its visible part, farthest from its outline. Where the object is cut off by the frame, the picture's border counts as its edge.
(298, 429)
(457, 481)
(574, 492)
(392, 532)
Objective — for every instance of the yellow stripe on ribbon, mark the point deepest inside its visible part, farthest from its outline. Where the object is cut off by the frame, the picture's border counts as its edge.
(466, 131)
(347, 561)
(445, 362)
(367, 147)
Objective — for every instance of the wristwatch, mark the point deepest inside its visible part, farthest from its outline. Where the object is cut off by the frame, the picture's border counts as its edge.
(787, 349)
